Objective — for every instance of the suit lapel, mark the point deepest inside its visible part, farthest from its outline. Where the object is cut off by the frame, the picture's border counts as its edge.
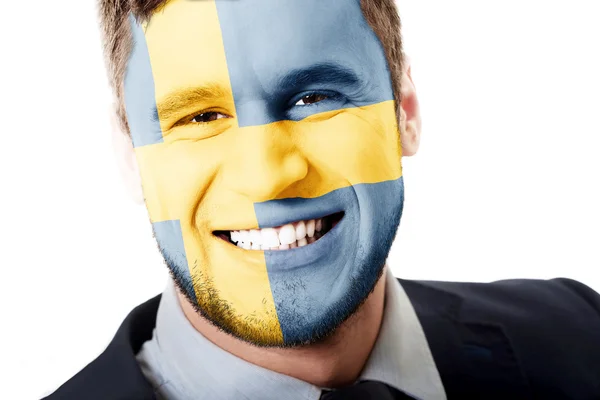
(475, 358)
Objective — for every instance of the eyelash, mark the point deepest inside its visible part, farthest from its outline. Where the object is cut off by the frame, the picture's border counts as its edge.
(189, 119)
(328, 96)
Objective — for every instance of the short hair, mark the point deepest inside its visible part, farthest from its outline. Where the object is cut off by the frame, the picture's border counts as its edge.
(381, 15)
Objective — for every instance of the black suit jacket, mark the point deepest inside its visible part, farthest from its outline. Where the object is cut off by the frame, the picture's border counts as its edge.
(510, 340)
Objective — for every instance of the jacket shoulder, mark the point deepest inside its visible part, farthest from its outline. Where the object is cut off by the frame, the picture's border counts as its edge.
(553, 326)
(560, 297)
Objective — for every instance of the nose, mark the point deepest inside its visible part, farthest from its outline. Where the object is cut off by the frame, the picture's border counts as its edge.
(265, 162)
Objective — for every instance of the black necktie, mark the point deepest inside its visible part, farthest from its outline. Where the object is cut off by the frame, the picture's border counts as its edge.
(366, 390)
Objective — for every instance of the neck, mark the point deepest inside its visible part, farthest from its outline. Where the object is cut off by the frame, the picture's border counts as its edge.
(334, 362)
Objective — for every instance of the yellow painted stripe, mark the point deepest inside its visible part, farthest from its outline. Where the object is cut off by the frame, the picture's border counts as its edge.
(186, 50)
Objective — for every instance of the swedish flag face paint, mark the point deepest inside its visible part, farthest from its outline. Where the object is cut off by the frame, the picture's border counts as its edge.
(254, 114)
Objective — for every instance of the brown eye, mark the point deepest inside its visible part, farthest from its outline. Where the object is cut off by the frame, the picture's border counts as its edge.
(311, 98)
(208, 117)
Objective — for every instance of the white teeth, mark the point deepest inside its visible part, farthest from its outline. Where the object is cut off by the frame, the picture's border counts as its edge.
(255, 236)
(310, 228)
(287, 234)
(244, 236)
(269, 237)
(300, 230)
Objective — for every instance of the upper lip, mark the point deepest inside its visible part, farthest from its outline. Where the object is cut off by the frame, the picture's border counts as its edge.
(289, 221)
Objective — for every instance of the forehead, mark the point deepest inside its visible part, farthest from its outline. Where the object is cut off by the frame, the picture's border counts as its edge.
(262, 39)
(266, 38)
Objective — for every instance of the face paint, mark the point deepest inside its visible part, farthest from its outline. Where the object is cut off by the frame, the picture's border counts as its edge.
(255, 114)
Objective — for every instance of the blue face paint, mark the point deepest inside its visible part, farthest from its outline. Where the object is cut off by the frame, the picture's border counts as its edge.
(317, 287)
(144, 125)
(276, 49)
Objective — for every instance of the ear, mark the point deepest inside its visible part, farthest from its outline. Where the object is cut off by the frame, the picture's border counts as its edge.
(123, 147)
(410, 117)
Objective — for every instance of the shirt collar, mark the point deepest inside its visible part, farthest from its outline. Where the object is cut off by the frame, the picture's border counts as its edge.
(401, 356)
(184, 364)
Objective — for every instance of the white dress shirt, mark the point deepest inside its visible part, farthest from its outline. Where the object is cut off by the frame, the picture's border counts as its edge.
(182, 364)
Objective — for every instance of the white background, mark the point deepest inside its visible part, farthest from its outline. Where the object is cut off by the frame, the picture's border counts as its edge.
(505, 184)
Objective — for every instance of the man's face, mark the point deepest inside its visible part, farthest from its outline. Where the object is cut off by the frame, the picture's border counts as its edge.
(253, 115)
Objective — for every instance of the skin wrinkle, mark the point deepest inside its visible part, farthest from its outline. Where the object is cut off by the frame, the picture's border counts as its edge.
(171, 106)
(196, 214)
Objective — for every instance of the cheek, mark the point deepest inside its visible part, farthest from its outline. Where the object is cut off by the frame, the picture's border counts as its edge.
(181, 184)
(357, 145)
(175, 177)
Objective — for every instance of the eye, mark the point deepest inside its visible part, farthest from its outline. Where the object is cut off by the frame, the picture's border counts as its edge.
(208, 117)
(311, 98)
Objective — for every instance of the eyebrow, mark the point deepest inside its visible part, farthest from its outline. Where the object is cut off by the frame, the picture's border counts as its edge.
(320, 73)
(171, 104)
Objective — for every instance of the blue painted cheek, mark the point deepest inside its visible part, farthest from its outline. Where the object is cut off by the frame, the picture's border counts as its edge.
(170, 241)
(314, 291)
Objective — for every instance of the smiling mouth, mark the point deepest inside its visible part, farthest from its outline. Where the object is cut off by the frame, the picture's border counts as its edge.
(284, 237)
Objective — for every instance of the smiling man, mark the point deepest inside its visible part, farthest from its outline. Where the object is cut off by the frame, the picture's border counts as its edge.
(266, 139)
(270, 168)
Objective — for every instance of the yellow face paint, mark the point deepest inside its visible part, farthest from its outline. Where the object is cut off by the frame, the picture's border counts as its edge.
(238, 128)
